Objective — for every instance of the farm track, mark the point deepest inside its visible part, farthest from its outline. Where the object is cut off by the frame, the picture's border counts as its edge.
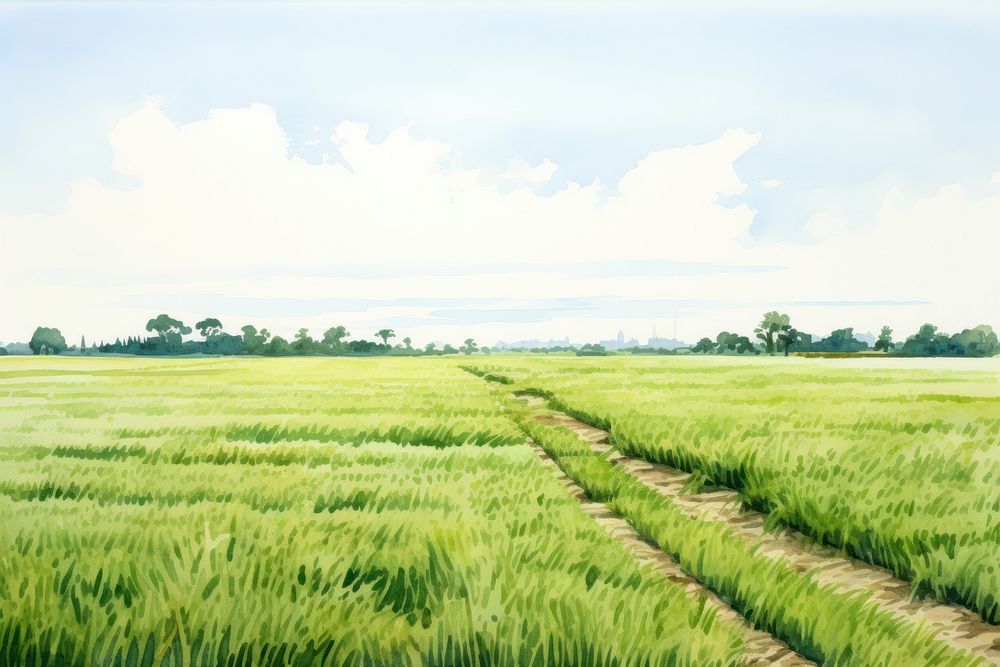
(957, 626)
(760, 648)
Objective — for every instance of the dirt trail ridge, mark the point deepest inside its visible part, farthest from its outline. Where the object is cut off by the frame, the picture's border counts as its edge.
(951, 623)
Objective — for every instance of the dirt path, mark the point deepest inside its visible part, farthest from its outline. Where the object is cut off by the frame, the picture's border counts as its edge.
(760, 648)
(951, 623)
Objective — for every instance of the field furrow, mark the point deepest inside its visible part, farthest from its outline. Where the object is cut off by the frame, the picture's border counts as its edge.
(760, 648)
(815, 618)
(893, 462)
(949, 623)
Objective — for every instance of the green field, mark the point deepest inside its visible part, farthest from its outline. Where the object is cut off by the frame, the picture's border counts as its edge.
(360, 512)
(899, 465)
(389, 511)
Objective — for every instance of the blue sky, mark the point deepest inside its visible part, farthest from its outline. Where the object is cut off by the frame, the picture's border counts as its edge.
(849, 103)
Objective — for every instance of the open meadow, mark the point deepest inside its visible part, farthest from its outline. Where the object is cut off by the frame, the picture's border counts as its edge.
(898, 462)
(347, 511)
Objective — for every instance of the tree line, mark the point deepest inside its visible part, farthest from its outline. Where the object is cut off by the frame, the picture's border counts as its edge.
(774, 335)
(168, 339)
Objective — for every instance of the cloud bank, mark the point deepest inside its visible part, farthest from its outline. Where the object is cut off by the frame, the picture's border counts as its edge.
(224, 220)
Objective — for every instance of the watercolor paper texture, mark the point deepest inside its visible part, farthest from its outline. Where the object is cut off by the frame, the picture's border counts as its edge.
(559, 334)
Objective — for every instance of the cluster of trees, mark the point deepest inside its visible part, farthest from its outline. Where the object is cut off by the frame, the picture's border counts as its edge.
(776, 334)
(168, 339)
(979, 341)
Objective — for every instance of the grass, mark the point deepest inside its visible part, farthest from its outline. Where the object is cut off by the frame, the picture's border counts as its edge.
(305, 512)
(829, 627)
(894, 463)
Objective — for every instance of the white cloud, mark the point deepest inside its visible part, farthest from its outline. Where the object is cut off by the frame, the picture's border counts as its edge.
(770, 183)
(825, 224)
(521, 171)
(222, 209)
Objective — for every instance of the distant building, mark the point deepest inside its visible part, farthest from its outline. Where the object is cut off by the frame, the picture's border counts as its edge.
(619, 342)
(665, 343)
(533, 344)
(867, 337)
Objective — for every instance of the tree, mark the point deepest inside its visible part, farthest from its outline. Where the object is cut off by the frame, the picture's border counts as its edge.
(430, 347)
(170, 331)
(385, 335)
(334, 336)
(840, 340)
(744, 345)
(304, 344)
(769, 326)
(254, 341)
(788, 336)
(469, 347)
(278, 346)
(726, 341)
(209, 328)
(408, 343)
(884, 342)
(704, 345)
(979, 341)
(47, 340)
(927, 342)
(362, 346)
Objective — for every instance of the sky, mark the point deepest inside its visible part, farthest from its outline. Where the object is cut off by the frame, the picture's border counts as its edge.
(498, 170)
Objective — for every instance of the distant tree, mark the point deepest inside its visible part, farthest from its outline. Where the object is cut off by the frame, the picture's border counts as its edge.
(839, 340)
(448, 349)
(469, 347)
(169, 330)
(228, 344)
(704, 345)
(980, 341)
(430, 347)
(408, 343)
(363, 346)
(47, 340)
(334, 336)
(744, 345)
(304, 344)
(788, 336)
(884, 342)
(209, 328)
(254, 342)
(3, 352)
(280, 347)
(486, 350)
(769, 326)
(385, 335)
(726, 342)
(927, 342)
